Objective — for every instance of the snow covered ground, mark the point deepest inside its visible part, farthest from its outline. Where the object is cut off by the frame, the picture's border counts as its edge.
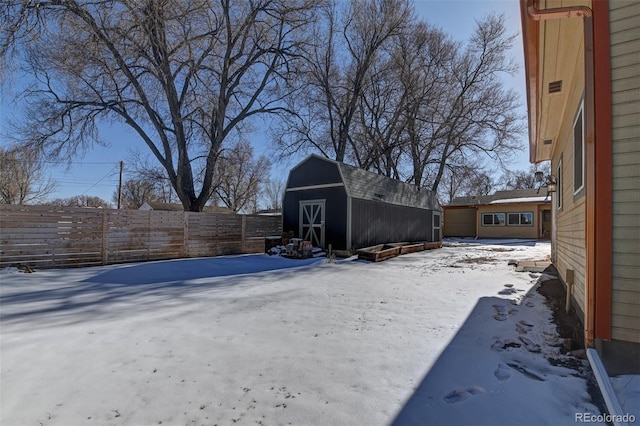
(448, 336)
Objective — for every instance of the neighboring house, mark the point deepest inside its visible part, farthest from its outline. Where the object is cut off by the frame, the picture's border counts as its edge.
(582, 67)
(174, 207)
(524, 213)
(328, 202)
(165, 207)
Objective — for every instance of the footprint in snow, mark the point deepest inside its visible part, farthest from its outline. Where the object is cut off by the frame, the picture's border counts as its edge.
(503, 372)
(528, 372)
(462, 394)
(501, 345)
(530, 345)
(501, 312)
(523, 327)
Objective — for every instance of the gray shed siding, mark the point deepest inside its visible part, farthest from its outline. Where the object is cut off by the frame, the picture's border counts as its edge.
(377, 223)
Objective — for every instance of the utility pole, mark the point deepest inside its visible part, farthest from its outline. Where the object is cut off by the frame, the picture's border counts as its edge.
(120, 185)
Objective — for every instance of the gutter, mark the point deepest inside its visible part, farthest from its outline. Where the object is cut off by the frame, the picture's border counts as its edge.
(610, 399)
(557, 13)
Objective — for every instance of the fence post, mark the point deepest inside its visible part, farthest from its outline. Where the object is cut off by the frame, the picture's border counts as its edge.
(243, 232)
(148, 234)
(105, 233)
(185, 233)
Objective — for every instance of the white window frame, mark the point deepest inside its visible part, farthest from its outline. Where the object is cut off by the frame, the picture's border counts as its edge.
(559, 185)
(579, 115)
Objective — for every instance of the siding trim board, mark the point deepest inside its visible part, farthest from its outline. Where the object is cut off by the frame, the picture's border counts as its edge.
(349, 221)
(579, 151)
(603, 182)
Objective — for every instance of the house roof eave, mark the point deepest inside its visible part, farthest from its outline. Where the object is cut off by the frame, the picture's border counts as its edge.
(531, 47)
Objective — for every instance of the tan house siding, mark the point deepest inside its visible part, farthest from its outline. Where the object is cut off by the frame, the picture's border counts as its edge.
(459, 222)
(509, 231)
(569, 244)
(625, 96)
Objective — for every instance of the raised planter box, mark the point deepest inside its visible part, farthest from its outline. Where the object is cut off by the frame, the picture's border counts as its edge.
(434, 245)
(412, 248)
(379, 252)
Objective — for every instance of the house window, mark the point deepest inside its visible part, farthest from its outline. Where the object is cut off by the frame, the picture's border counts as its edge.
(578, 151)
(559, 185)
(493, 219)
(520, 219)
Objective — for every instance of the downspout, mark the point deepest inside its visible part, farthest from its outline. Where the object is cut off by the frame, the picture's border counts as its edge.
(586, 14)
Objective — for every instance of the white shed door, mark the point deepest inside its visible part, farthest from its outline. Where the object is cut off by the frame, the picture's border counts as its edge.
(312, 221)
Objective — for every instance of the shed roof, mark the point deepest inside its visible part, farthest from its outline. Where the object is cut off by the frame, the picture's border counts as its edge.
(365, 185)
(504, 197)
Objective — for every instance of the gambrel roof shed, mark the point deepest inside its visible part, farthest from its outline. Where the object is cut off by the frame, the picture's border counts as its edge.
(329, 202)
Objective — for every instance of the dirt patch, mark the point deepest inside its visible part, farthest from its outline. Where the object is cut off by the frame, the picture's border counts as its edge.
(501, 250)
(478, 260)
(568, 325)
(569, 328)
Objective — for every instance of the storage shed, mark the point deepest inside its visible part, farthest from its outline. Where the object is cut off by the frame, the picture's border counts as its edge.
(328, 202)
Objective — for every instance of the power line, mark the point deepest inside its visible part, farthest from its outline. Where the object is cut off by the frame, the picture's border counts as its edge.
(88, 163)
(101, 179)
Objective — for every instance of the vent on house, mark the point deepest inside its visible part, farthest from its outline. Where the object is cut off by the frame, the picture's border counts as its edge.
(555, 86)
(547, 141)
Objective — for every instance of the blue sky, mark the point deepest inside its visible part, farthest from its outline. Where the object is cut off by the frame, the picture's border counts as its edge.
(96, 173)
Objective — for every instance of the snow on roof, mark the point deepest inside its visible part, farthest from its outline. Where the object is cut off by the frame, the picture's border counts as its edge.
(531, 195)
(540, 199)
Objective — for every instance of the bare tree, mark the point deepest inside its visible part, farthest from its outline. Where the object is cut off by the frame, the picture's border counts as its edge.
(526, 179)
(239, 177)
(350, 40)
(146, 170)
(185, 75)
(408, 102)
(475, 116)
(465, 182)
(135, 192)
(273, 192)
(400, 101)
(80, 201)
(22, 177)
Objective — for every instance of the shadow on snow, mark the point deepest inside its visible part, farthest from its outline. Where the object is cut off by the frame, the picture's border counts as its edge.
(106, 289)
(492, 373)
(492, 241)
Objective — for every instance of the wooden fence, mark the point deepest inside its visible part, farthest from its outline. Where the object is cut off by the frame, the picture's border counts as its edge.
(49, 236)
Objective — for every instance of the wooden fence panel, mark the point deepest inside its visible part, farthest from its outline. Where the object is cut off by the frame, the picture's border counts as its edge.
(49, 236)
